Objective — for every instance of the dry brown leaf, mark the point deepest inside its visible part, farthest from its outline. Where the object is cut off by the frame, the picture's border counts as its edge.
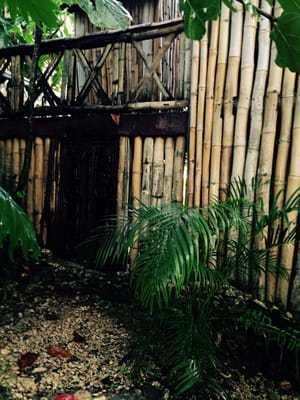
(56, 351)
(26, 360)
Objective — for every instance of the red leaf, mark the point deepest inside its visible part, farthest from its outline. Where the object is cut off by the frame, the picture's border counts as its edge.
(65, 396)
(57, 351)
(26, 360)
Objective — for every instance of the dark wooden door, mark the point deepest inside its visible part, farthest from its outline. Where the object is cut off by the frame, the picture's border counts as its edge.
(87, 189)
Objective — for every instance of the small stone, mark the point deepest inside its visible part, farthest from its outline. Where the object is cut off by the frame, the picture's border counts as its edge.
(39, 370)
(285, 385)
(5, 352)
(83, 395)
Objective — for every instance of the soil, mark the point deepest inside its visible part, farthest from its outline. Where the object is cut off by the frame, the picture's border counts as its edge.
(57, 339)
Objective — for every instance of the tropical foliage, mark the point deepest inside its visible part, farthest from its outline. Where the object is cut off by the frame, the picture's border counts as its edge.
(17, 234)
(181, 259)
(46, 12)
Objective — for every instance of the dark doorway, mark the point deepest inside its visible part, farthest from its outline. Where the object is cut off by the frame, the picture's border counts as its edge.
(87, 189)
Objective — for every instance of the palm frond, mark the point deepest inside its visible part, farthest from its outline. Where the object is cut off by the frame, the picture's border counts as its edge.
(16, 230)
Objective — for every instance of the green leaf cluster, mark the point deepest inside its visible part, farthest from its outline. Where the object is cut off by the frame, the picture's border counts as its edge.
(181, 258)
(17, 233)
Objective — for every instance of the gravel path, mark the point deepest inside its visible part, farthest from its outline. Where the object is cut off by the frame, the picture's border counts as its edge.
(92, 343)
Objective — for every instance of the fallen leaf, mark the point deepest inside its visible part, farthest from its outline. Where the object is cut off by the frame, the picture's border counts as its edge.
(26, 360)
(78, 338)
(57, 351)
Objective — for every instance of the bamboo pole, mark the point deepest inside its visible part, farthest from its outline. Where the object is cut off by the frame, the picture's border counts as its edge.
(15, 160)
(257, 102)
(293, 183)
(158, 171)
(247, 70)
(147, 170)
(265, 164)
(47, 143)
(136, 185)
(193, 122)
(137, 169)
(256, 118)
(29, 196)
(38, 183)
(216, 140)
(281, 167)
(8, 153)
(2, 158)
(187, 70)
(22, 152)
(230, 94)
(200, 119)
(178, 174)
(169, 168)
(212, 59)
(123, 176)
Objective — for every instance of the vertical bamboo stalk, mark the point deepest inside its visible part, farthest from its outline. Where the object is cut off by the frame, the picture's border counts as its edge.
(147, 170)
(212, 59)
(2, 157)
(256, 121)
(265, 163)
(158, 171)
(216, 140)
(293, 183)
(257, 102)
(136, 184)
(247, 70)
(22, 152)
(187, 70)
(230, 94)
(15, 159)
(47, 143)
(137, 169)
(8, 153)
(280, 176)
(178, 178)
(169, 167)
(193, 122)
(200, 119)
(65, 72)
(38, 183)
(123, 176)
(29, 197)
(121, 78)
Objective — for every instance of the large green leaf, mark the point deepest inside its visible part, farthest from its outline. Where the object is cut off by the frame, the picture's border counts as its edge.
(16, 230)
(196, 13)
(290, 5)
(286, 35)
(41, 11)
(106, 13)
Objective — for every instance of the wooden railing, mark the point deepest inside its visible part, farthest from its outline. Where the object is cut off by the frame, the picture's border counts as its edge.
(143, 66)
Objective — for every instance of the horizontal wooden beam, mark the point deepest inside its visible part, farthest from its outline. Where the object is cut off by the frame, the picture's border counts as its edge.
(91, 109)
(99, 39)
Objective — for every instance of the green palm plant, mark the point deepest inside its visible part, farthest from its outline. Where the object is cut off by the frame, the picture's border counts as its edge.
(182, 258)
(17, 233)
